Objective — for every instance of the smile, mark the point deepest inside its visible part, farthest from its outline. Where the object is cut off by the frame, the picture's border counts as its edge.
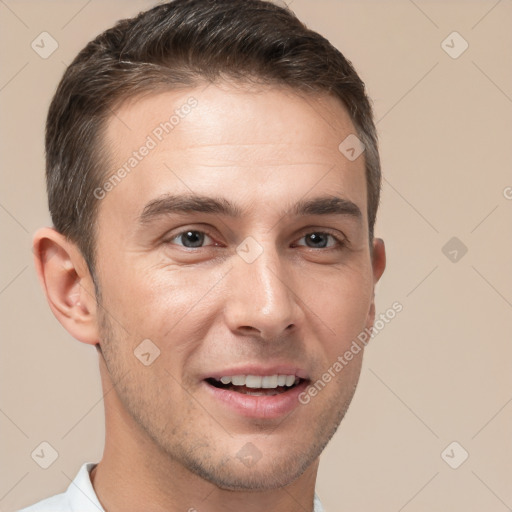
(256, 392)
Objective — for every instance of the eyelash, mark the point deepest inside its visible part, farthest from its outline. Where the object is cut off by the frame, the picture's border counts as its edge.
(340, 243)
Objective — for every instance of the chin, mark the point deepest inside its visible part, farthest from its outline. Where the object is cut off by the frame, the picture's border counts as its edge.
(248, 468)
(234, 477)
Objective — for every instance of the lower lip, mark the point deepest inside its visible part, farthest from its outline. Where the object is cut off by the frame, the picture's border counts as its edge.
(262, 406)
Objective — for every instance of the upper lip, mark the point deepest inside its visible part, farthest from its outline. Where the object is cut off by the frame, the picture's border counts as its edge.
(282, 369)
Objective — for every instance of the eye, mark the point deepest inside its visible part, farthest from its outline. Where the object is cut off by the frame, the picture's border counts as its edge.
(190, 239)
(320, 240)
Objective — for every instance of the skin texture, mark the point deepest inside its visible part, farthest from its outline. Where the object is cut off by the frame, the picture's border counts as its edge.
(169, 445)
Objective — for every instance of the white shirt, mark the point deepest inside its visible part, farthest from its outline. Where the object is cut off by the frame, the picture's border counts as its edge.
(80, 497)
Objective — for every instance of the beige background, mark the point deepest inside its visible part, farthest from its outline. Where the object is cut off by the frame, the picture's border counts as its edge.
(439, 372)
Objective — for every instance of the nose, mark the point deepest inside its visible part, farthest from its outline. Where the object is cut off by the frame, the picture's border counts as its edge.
(261, 299)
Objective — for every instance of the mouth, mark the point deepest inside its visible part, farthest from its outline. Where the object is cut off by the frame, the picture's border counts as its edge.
(269, 394)
(256, 385)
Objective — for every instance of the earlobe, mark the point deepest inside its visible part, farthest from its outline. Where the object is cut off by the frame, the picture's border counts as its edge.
(67, 283)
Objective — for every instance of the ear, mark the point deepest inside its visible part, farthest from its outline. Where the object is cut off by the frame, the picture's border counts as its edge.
(67, 283)
(378, 267)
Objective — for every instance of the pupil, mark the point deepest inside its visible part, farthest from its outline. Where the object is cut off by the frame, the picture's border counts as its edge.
(193, 239)
(317, 238)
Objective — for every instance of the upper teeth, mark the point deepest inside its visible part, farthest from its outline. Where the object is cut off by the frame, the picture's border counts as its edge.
(256, 381)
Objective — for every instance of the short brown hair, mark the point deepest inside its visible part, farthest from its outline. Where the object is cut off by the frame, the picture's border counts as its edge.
(181, 44)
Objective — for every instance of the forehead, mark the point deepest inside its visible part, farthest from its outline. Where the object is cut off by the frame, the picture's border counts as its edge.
(256, 144)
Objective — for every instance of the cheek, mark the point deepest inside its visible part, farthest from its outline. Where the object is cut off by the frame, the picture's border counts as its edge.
(158, 302)
(342, 305)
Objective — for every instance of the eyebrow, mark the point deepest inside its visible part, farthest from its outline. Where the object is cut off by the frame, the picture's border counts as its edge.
(192, 203)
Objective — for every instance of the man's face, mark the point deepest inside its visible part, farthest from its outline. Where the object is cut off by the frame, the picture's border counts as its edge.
(280, 288)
